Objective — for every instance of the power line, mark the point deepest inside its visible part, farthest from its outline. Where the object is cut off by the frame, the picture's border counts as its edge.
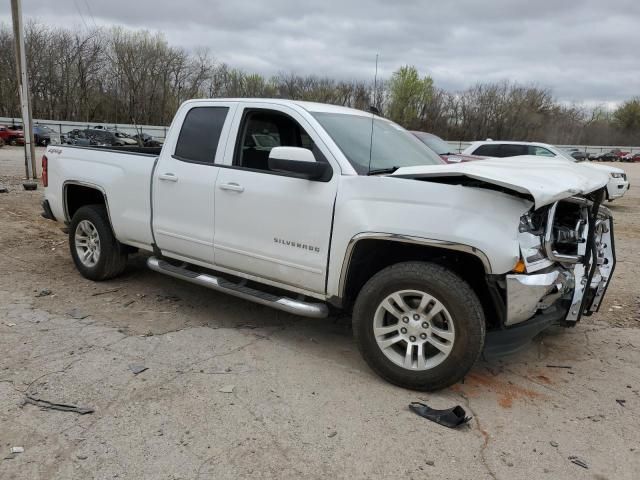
(80, 13)
(91, 14)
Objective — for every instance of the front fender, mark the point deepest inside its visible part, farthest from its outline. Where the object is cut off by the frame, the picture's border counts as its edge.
(479, 221)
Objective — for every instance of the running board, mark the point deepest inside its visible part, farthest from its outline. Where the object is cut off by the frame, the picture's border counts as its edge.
(297, 307)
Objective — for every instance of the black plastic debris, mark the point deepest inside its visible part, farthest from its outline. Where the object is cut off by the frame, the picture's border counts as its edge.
(136, 369)
(621, 402)
(451, 417)
(45, 404)
(578, 461)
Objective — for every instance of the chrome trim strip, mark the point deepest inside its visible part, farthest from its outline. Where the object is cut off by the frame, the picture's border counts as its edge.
(406, 239)
(296, 307)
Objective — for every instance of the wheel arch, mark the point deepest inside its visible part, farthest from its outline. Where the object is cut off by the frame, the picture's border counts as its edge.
(76, 194)
(367, 254)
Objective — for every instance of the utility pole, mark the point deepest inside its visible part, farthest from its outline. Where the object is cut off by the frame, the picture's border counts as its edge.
(25, 98)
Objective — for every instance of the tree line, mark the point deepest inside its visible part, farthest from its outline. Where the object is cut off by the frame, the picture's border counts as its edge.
(119, 76)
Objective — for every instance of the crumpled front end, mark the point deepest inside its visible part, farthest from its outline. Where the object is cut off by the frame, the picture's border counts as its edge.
(567, 261)
(569, 267)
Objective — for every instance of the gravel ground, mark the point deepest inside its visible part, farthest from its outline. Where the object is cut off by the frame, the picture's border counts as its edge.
(236, 390)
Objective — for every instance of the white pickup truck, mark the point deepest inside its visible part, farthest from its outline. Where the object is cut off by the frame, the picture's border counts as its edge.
(312, 208)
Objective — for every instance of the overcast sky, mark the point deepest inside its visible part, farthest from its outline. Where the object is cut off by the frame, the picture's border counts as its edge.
(585, 51)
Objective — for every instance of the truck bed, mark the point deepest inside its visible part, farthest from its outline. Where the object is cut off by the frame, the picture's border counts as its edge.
(123, 174)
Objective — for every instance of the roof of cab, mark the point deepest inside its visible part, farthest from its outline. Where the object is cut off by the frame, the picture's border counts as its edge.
(308, 106)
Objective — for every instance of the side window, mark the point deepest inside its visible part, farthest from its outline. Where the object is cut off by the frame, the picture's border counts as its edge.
(540, 152)
(200, 134)
(509, 150)
(487, 150)
(265, 129)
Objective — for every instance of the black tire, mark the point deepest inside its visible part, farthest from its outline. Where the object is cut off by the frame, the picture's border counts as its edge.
(443, 285)
(112, 259)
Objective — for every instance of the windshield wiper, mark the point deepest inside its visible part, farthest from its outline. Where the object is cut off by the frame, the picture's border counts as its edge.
(380, 171)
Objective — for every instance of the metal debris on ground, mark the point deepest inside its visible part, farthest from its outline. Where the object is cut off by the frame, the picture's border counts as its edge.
(17, 449)
(136, 369)
(47, 405)
(332, 434)
(553, 444)
(43, 293)
(227, 389)
(10, 324)
(451, 417)
(578, 461)
(112, 290)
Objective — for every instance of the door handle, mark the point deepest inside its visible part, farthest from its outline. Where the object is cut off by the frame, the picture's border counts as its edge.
(234, 187)
(170, 177)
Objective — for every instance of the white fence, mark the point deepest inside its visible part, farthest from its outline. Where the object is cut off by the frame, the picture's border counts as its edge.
(160, 132)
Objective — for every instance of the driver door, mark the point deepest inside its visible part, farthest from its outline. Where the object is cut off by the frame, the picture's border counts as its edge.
(268, 224)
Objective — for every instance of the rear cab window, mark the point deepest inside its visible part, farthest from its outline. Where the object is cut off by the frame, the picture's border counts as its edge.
(510, 150)
(200, 135)
(487, 151)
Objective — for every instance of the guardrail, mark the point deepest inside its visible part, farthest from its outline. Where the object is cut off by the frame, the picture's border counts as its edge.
(62, 127)
(160, 132)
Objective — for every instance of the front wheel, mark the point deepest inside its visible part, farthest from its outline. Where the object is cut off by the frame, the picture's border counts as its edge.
(418, 325)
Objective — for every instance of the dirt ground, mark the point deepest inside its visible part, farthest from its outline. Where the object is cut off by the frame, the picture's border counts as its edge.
(301, 401)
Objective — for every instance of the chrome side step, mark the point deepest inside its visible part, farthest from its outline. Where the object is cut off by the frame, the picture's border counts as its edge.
(297, 307)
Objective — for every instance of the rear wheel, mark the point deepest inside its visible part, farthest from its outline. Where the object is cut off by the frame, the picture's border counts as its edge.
(419, 326)
(94, 249)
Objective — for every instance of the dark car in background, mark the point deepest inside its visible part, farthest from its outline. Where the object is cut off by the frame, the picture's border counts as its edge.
(147, 140)
(100, 137)
(612, 156)
(577, 154)
(43, 135)
(442, 148)
(77, 137)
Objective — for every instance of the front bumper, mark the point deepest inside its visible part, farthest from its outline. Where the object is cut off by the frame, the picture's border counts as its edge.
(581, 285)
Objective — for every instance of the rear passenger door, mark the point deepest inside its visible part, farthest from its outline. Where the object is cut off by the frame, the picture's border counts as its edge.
(184, 183)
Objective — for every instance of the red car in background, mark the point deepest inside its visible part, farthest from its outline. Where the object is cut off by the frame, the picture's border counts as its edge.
(443, 149)
(11, 135)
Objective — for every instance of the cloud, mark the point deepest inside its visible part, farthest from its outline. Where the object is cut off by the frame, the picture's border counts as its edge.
(585, 51)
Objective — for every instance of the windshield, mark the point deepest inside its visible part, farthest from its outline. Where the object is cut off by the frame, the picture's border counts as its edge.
(392, 145)
(434, 143)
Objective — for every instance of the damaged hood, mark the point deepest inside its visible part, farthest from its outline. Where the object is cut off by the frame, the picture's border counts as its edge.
(547, 180)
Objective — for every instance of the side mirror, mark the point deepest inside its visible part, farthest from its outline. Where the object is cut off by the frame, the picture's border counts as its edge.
(298, 162)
